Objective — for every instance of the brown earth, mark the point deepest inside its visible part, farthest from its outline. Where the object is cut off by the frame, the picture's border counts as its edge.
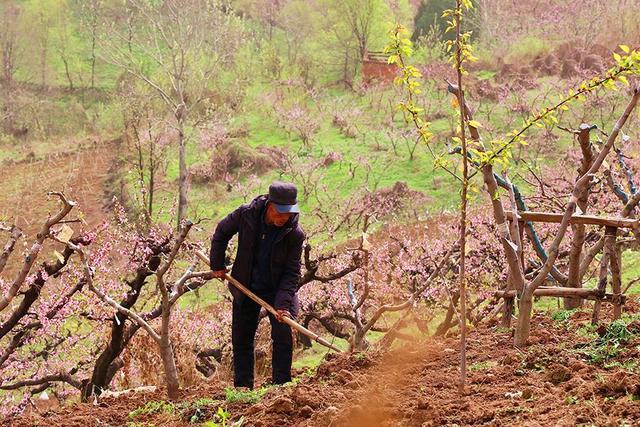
(549, 383)
(80, 174)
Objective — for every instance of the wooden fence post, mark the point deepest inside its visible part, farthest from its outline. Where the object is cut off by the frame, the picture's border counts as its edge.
(615, 260)
(602, 282)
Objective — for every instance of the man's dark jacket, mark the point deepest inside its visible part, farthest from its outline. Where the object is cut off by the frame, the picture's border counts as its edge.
(285, 255)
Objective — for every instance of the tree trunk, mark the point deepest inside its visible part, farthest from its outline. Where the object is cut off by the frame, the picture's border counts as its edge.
(616, 284)
(575, 255)
(345, 68)
(574, 266)
(304, 340)
(8, 50)
(182, 180)
(463, 209)
(67, 72)
(100, 378)
(166, 351)
(524, 318)
(43, 62)
(359, 342)
(170, 370)
(446, 324)
(152, 183)
(602, 283)
(93, 56)
(508, 308)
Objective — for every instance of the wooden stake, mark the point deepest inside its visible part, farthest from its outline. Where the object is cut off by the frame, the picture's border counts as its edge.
(602, 284)
(564, 292)
(615, 261)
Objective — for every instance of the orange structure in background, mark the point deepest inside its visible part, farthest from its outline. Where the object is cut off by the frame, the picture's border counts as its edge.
(375, 68)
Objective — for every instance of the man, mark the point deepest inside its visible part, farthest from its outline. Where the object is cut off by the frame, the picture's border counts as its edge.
(268, 262)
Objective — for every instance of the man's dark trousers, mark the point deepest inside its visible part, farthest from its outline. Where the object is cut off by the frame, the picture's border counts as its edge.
(243, 330)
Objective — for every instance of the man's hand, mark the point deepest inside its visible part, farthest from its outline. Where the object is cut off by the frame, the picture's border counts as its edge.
(219, 274)
(281, 314)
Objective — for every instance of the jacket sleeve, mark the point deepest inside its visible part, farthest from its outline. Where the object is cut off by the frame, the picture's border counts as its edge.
(220, 239)
(288, 285)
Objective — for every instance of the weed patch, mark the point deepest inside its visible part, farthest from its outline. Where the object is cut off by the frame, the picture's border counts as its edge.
(245, 396)
(482, 366)
(610, 343)
(562, 315)
(206, 411)
(152, 408)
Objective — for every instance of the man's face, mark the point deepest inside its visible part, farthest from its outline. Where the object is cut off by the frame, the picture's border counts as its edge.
(276, 218)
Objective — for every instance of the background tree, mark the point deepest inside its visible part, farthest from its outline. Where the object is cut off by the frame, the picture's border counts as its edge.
(65, 43)
(429, 18)
(266, 12)
(90, 12)
(354, 26)
(180, 49)
(8, 39)
(41, 21)
(147, 137)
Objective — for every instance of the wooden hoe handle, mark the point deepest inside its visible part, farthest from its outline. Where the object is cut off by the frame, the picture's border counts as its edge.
(289, 321)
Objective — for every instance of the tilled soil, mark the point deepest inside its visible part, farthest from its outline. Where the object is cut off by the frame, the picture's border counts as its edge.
(416, 384)
(81, 175)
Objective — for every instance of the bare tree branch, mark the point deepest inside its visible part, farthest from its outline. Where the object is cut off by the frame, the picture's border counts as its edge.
(15, 234)
(31, 256)
(59, 377)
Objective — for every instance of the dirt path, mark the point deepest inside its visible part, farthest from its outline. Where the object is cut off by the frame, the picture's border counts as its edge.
(80, 175)
(383, 395)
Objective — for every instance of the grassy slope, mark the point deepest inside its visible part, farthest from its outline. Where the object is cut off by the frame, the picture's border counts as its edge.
(212, 201)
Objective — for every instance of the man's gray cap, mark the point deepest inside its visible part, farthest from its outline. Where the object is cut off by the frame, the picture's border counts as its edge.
(284, 195)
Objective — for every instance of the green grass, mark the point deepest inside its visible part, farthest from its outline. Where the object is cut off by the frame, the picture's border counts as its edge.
(209, 294)
(245, 396)
(313, 356)
(262, 130)
(61, 122)
(631, 271)
(197, 411)
(8, 149)
(485, 74)
(562, 316)
(526, 49)
(483, 366)
(153, 407)
(212, 201)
